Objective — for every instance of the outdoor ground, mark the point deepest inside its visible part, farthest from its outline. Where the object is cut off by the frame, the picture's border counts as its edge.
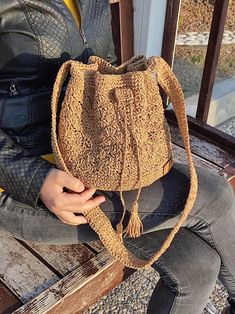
(132, 296)
(189, 62)
(196, 16)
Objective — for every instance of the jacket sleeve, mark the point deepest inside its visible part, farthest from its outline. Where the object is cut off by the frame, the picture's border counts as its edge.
(21, 174)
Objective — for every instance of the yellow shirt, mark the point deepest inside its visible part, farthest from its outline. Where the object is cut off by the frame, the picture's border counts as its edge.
(74, 10)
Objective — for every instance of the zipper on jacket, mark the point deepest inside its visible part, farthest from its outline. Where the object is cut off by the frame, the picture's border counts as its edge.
(13, 90)
(81, 30)
(82, 33)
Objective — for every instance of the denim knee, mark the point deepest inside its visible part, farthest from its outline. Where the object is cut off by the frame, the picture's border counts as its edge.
(226, 190)
(185, 292)
(188, 259)
(193, 280)
(215, 196)
(188, 270)
(223, 197)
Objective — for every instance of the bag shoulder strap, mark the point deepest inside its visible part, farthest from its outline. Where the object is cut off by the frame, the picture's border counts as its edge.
(60, 79)
(69, 66)
(96, 217)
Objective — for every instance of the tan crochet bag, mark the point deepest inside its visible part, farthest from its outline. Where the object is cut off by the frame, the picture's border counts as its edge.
(113, 135)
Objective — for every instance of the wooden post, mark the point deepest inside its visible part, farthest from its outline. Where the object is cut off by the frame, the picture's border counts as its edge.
(123, 34)
(170, 30)
(212, 56)
(126, 29)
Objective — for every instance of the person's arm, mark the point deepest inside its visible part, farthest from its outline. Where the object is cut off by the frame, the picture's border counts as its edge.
(27, 178)
(21, 174)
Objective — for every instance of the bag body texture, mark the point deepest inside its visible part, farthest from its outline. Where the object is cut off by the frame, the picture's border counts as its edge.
(112, 134)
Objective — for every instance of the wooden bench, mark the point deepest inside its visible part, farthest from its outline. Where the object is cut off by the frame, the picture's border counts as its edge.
(64, 279)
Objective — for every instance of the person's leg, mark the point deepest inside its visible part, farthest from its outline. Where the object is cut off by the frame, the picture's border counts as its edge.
(188, 271)
(158, 202)
(219, 232)
(212, 218)
(40, 225)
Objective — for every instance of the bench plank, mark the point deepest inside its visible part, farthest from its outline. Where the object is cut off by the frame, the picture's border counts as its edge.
(229, 171)
(179, 155)
(76, 292)
(96, 246)
(63, 258)
(202, 148)
(21, 271)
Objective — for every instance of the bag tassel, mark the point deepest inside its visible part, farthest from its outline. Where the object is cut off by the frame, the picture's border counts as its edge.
(135, 226)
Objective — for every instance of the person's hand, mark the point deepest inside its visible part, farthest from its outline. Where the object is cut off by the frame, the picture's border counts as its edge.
(65, 204)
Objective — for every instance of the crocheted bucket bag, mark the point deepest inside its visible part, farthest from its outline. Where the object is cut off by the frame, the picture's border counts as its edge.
(112, 134)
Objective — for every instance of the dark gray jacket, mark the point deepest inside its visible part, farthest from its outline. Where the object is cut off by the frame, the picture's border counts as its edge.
(36, 37)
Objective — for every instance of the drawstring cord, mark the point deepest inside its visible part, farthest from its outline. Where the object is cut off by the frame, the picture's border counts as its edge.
(135, 227)
(119, 226)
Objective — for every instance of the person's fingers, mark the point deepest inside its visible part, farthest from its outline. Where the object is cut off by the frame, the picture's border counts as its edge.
(92, 203)
(76, 200)
(71, 219)
(81, 208)
(70, 182)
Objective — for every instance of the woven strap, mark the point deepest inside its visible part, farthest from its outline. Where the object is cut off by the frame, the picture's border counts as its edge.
(61, 77)
(96, 217)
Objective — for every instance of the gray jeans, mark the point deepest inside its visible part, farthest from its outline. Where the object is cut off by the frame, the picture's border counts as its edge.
(202, 251)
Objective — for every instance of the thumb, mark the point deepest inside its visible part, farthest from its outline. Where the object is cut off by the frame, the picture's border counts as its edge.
(72, 183)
